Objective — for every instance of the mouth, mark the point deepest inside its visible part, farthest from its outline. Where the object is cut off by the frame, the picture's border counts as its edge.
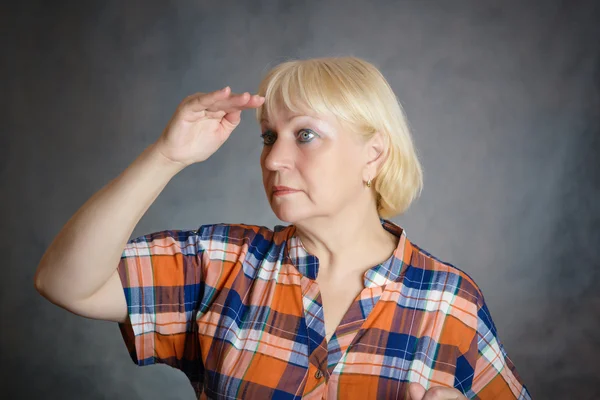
(283, 190)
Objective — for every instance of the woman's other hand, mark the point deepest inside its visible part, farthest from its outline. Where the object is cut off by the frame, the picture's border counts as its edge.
(418, 392)
(202, 123)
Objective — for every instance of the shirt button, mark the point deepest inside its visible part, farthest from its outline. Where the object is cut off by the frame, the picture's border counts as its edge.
(318, 374)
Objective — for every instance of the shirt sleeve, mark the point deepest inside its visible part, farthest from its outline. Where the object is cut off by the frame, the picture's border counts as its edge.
(162, 274)
(485, 371)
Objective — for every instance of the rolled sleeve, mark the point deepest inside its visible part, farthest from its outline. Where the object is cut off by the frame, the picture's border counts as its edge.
(485, 371)
(161, 274)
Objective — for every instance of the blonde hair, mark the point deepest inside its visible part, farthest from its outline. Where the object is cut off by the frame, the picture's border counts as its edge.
(356, 92)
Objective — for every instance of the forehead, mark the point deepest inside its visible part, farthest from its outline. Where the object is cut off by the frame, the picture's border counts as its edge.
(285, 116)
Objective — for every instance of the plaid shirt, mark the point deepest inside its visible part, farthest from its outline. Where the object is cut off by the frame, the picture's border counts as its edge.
(237, 308)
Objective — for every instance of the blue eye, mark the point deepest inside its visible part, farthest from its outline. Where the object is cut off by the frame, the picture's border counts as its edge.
(268, 137)
(306, 135)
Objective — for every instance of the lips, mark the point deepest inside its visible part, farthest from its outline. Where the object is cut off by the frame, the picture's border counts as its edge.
(279, 191)
(283, 189)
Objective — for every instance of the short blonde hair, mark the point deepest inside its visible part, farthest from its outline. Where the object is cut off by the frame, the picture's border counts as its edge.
(356, 92)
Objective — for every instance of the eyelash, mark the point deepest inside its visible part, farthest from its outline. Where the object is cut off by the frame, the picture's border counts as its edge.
(268, 132)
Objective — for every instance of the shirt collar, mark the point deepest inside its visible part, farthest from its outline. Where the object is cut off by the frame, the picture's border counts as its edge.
(388, 271)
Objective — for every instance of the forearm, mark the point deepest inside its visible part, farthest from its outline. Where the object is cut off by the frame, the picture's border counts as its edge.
(87, 250)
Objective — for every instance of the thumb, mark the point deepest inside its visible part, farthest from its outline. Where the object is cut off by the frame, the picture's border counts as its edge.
(232, 119)
(416, 391)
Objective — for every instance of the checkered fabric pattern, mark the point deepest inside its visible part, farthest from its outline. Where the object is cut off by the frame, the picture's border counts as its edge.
(237, 308)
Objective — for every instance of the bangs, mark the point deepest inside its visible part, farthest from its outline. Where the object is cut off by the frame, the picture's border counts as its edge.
(309, 87)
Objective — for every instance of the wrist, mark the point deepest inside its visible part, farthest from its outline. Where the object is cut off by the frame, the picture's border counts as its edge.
(165, 162)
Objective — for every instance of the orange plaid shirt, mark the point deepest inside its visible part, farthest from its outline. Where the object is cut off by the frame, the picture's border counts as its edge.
(237, 308)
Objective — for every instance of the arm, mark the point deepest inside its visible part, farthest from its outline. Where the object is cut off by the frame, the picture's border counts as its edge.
(78, 271)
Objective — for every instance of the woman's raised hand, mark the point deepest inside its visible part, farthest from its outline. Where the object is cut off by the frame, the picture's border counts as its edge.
(202, 123)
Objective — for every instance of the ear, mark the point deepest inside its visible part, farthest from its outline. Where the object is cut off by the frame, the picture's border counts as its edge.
(375, 154)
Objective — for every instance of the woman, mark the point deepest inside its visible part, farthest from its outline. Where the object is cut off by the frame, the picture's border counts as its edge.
(337, 304)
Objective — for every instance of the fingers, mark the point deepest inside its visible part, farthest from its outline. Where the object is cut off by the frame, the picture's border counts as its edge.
(416, 391)
(223, 100)
(237, 102)
(200, 101)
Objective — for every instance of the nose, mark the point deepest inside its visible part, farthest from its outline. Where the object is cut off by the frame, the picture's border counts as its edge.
(279, 155)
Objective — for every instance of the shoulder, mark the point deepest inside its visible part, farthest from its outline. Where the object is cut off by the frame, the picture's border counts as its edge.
(437, 275)
(241, 235)
(240, 248)
(237, 231)
(209, 235)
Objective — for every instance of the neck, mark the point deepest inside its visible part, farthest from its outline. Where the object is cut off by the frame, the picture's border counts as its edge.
(345, 237)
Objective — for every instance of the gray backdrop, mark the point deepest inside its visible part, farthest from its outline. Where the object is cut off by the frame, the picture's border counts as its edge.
(503, 98)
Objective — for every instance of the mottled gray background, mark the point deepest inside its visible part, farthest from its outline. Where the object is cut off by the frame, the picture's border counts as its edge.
(503, 98)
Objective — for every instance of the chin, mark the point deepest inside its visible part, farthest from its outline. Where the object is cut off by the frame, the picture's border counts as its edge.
(290, 214)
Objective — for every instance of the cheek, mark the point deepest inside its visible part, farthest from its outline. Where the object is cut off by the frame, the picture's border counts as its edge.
(319, 173)
(334, 173)
(261, 160)
(263, 155)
